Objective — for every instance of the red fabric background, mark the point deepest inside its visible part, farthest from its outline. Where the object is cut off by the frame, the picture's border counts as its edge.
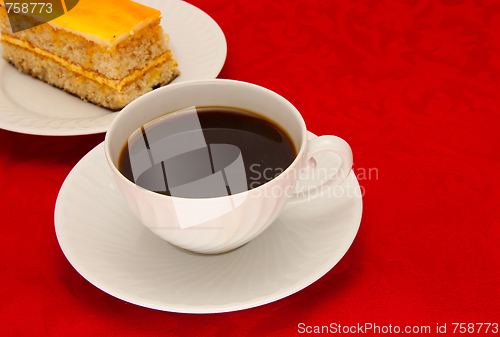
(413, 87)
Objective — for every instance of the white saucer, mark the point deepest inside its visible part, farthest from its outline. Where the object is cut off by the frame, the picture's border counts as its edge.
(31, 106)
(109, 247)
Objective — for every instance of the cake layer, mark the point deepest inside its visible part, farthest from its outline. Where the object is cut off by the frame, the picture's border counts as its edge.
(115, 84)
(52, 72)
(132, 53)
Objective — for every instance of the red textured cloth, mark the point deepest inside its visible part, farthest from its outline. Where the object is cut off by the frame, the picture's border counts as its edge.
(413, 86)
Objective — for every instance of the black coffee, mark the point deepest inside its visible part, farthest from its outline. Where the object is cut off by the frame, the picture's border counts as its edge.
(207, 152)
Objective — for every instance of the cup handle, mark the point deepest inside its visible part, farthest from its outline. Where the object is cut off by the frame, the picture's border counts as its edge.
(318, 145)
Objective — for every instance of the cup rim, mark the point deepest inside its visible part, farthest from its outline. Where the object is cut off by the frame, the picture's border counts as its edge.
(159, 91)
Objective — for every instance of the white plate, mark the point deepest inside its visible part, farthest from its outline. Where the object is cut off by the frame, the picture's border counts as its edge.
(109, 247)
(31, 106)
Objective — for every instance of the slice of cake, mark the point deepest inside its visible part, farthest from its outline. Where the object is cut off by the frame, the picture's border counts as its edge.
(108, 52)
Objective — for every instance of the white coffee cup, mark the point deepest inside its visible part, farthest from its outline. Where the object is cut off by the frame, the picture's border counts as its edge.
(220, 224)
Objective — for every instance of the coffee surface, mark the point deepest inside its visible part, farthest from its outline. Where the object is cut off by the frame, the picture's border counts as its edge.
(210, 152)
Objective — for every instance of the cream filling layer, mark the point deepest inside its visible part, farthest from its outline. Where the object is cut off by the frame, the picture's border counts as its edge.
(118, 85)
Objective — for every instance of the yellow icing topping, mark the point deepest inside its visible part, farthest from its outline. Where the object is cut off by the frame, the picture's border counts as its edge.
(106, 21)
(3, 11)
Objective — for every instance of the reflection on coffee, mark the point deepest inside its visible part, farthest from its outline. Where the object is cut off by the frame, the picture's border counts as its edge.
(206, 152)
